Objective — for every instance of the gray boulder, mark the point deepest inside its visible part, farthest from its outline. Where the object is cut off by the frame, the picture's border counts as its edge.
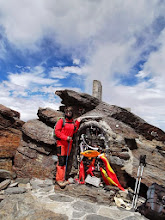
(38, 131)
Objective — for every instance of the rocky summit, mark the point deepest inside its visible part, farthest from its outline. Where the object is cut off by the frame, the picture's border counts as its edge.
(37, 200)
(28, 152)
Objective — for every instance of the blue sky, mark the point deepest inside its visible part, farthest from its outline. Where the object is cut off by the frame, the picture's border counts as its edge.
(46, 45)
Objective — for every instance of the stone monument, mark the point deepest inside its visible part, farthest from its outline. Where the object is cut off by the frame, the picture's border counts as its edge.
(97, 89)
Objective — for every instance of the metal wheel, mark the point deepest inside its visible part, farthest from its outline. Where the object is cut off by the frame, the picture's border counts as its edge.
(91, 136)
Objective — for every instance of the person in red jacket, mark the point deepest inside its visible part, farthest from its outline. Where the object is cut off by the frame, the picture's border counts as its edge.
(64, 131)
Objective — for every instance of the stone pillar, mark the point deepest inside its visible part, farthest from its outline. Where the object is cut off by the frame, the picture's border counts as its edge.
(97, 89)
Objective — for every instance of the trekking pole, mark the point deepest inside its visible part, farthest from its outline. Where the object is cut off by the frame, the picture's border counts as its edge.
(67, 159)
(142, 164)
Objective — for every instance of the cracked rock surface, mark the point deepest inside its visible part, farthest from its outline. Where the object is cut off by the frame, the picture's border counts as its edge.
(39, 203)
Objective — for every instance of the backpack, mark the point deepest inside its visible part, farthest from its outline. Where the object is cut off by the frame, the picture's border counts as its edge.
(63, 124)
(154, 206)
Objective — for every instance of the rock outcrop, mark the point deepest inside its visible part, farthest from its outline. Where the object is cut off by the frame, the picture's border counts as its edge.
(37, 199)
(35, 155)
(128, 137)
(125, 136)
(135, 140)
(26, 207)
(49, 116)
(10, 136)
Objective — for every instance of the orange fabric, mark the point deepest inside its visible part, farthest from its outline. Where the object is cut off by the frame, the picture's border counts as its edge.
(90, 153)
(60, 173)
(110, 172)
(81, 173)
(60, 170)
(104, 175)
(64, 149)
(62, 132)
(91, 167)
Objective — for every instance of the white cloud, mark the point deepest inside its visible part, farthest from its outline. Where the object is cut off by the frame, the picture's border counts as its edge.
(147, 103)
(52, 89)
(15, 92)
(28, 79)
(27, 107)
(151, 96)
(76, 61)
(58, 72)
(73, 69)
(63, 72)
(110, 37)
(74, 22)
(155, 64)
(141, 74)
(2, 49)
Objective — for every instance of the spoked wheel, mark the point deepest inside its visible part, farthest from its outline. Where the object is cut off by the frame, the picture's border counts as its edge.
(91, 136)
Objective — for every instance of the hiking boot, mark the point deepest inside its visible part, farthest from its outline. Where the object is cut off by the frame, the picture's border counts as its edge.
(66, 182)
(61, 184)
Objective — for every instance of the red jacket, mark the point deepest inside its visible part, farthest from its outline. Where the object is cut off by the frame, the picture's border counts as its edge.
(62, 132)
